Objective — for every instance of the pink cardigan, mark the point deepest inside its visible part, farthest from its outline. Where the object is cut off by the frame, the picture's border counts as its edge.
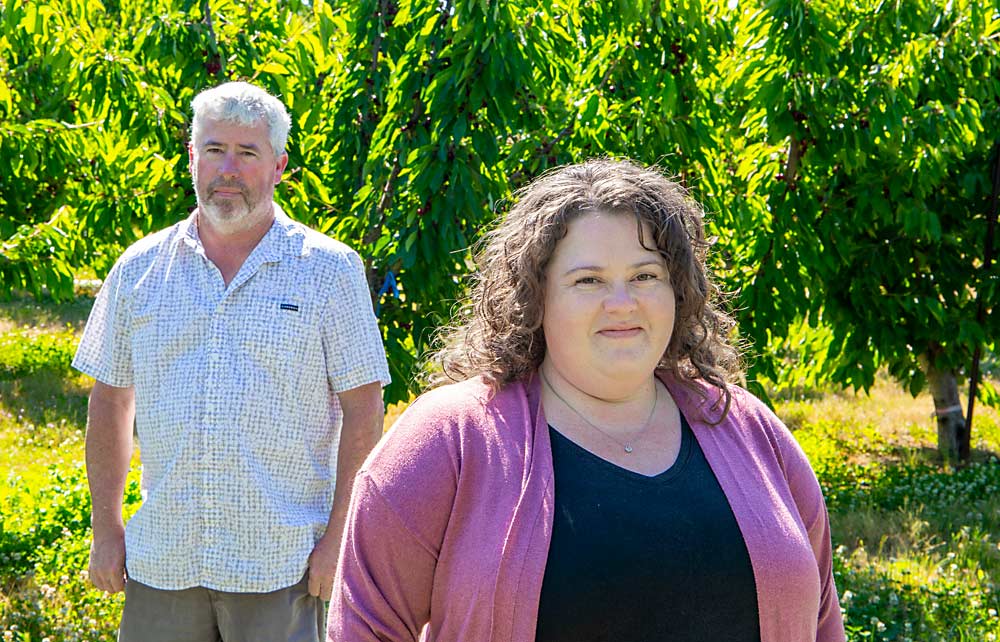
(451, 517)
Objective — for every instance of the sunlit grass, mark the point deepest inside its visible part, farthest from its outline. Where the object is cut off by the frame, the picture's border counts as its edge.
(918, 547)
(42, 422)
(44, 316)
(44, 503)
(889, 415)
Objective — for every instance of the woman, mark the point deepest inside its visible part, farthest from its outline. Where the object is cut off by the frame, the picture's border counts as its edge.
(590, 474)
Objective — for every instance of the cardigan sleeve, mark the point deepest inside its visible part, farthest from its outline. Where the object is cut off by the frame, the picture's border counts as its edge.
(808, 497)
(400, 508)
(383, 585)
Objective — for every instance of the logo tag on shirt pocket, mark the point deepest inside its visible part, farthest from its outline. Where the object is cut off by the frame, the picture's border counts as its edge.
(289, 306)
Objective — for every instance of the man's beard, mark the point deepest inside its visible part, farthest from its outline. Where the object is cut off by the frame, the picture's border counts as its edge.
(228, 215)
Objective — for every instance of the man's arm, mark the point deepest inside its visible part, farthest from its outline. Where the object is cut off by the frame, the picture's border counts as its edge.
(362, 427)
(109, 450)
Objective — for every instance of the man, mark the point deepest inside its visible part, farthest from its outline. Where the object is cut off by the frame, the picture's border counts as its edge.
(244, 346)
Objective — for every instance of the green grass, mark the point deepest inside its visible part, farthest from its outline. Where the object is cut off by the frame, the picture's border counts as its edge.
(44, 316)
(917, 546)
(44, 503)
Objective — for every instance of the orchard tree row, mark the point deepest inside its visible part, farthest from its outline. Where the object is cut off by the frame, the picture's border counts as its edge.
(844, 150)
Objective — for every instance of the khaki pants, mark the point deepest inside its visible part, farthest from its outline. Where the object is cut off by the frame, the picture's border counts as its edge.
(203, 615)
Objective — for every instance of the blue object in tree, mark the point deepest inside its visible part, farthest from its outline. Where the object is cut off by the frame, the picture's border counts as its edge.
(388, 285)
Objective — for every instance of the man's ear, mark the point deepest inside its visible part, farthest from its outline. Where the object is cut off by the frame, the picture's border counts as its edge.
(279, 168)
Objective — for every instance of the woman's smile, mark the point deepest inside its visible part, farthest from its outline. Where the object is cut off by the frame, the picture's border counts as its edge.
(620, 333)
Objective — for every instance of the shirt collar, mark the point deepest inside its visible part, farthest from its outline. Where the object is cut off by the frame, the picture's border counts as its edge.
(283, 239)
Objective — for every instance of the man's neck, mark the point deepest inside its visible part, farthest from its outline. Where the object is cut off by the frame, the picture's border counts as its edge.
(228, 250)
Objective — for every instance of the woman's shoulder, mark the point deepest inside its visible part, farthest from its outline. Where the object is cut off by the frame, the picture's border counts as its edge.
(745, 404)
(449, 401)
(704, 402)
(707, 402)
(746, 414)
(749, 426)
(441, 426)
(445, 411)
(764, 429)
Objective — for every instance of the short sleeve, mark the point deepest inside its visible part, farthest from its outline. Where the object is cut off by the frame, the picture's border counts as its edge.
(105, 350)
(351, 338)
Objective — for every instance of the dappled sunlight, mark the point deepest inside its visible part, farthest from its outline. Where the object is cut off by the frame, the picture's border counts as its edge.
(44, 317)
(890, 422)
(924, 594)
(918, 544)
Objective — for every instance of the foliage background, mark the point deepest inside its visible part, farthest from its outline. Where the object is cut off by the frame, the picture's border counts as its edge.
(841, 147)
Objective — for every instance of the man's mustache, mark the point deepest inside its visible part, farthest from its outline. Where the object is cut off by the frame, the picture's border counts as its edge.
(214, 185)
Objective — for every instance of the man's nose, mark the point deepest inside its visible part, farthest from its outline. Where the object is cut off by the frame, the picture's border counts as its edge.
(230, 165)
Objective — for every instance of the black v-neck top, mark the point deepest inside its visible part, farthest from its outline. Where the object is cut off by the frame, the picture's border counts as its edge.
(635, 558)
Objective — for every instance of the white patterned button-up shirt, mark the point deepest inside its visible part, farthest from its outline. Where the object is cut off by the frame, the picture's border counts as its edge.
(236, 405)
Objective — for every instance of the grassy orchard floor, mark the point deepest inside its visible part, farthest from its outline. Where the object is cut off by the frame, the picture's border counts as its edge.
(918, 548)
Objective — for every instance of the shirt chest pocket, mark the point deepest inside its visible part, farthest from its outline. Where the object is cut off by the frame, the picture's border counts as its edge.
(277, 335)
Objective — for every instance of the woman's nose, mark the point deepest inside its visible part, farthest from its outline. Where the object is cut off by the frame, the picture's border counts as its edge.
(619, 298)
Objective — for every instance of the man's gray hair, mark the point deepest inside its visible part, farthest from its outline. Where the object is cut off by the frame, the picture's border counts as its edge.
(245, 104)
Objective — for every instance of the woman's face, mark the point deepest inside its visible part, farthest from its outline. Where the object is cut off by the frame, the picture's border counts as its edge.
(609, 307)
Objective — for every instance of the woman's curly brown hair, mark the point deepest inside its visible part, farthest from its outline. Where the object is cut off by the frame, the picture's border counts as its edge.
(498, 334)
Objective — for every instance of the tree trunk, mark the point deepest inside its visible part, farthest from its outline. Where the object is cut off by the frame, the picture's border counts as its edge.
(947, 409)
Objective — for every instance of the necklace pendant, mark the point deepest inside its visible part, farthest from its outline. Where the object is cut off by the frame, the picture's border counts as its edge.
(628, 448)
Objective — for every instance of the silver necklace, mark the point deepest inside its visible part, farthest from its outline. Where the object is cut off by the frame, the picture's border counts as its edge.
(626, 445)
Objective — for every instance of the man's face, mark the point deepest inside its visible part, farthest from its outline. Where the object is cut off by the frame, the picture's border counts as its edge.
(234, 171)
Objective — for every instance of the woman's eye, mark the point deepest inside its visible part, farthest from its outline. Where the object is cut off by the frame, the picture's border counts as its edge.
(586, 280)
(646, 276)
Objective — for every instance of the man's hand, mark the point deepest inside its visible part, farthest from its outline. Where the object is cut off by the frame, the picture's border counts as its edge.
(107, 559)
(323, 566)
